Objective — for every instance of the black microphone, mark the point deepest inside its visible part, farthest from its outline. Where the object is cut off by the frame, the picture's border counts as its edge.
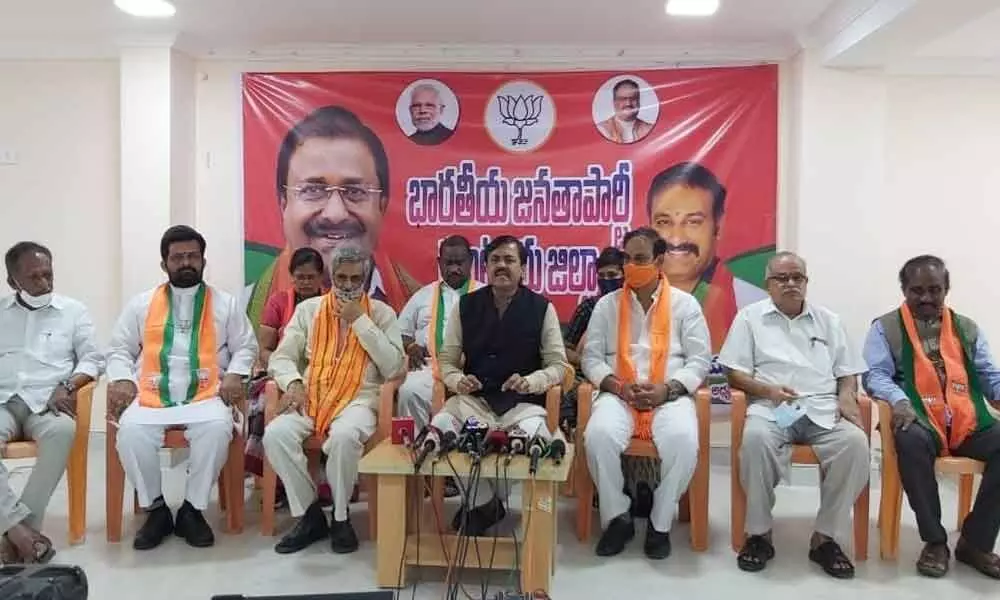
(557, 450)
(449, 440)
(431, 442)
(536, 450)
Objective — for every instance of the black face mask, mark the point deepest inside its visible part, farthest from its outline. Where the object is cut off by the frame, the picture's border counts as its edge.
(606, 286)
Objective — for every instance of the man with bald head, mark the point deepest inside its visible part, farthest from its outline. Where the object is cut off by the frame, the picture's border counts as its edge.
(426, 108)
(935, 368)
(793, 360)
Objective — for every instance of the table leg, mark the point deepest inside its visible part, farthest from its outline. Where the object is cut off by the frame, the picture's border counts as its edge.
(539, 515)
(391, 542)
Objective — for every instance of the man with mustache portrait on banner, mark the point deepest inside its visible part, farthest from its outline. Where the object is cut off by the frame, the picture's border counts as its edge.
(332, 184)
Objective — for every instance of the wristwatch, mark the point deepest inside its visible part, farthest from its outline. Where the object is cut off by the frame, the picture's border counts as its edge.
(68, 385)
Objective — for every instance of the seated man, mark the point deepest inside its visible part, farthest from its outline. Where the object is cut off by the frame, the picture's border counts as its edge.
(423, 322)
(179, 354)
(47, 353)
(935, 368)
(336, 352)
(512, 345)
(648, 350)
(793, 360)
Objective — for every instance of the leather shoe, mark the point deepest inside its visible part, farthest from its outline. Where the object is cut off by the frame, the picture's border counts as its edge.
(192, 526)
(620, 532)
(159, 524)
(657, 544)
(479, 519)
(343, 540)
(310, 528)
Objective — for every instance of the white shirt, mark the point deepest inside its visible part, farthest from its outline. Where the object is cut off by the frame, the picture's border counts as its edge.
(690, 355)
(41, 348)
(236, 353)
(415, 318)
(808, 354)
(627, 128)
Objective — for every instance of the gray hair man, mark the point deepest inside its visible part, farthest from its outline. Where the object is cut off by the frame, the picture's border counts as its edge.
(426, 108)
(793, 360)
(349, 344)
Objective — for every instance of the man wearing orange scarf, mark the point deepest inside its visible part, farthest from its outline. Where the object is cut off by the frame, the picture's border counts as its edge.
(337, 351)
(793, 360)
(935, 368)
(178, 356)
(648, 349)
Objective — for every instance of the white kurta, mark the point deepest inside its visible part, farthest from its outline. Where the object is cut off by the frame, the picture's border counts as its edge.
(236, 352)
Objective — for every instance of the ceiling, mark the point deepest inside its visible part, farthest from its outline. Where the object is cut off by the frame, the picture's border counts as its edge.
(845, 33)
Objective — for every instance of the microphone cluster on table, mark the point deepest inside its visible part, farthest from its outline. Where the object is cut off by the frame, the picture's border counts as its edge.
(477, 440)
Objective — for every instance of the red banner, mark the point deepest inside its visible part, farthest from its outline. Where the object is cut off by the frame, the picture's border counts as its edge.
(568, 162)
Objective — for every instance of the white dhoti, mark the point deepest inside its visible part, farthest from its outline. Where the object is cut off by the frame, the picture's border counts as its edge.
(675, 435)
(415, 396)
(208, 428)
(528, 417)
(344, 446)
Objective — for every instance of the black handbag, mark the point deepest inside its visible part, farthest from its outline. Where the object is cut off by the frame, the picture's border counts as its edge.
(42, 582)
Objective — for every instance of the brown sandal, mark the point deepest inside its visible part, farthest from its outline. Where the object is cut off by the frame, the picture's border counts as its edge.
(934, 560)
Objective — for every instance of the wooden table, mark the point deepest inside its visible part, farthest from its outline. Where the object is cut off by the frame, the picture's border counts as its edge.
(400, 504)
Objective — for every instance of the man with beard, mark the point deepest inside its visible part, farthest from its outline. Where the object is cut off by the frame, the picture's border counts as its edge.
(793, 360)
(336, 353)
(685, 205)
(333, 191)
(48, 351)
(423, 323)
(625, 126)
(425, 113)
(935, 368)
(502, 351)
(178, 356)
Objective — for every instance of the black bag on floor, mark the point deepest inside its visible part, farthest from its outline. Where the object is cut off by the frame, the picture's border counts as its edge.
(42, 582)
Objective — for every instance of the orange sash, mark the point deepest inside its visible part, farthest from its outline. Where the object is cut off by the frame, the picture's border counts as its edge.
(954, 406)
(158, 343)
(334, 379)
(659, 339)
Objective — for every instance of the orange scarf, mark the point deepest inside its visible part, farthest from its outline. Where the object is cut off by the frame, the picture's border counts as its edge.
(955, 406)
(659, 339)
(336, 366)
(158, 343)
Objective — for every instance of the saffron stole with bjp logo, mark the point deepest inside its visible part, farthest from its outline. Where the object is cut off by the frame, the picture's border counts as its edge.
(551, 178)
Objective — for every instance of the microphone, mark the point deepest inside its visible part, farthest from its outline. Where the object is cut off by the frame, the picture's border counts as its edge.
(536, 449)
(474, 434)
(449, 440)
(557, 450)
(496, 442)
(517, 441)
(431, 442)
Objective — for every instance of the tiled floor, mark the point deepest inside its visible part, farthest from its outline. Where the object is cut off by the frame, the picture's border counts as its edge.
(246, 564)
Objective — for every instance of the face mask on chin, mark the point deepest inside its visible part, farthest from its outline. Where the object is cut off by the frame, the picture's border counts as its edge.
(606, 286)
(639, 276)
(35, 302)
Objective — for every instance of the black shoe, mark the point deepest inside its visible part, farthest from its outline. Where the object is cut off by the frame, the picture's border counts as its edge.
(657, 544)
(620, 532)
(450, 488)
(642, 506)
(159, 524)
(480, 518)
(192, 526)
(309, 529)
(343, 540)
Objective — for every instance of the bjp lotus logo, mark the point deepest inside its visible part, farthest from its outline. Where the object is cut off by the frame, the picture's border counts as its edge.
(525, 107)
(520, 112)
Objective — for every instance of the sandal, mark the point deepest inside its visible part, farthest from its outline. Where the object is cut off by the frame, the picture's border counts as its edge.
(755, 554)
(832, 559)
(933, 561)
(986, 563)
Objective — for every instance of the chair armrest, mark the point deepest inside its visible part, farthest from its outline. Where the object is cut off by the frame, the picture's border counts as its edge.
(84, 408)
(885, 431)
(272, 396)
(737, 416)
(553, 400)
(703, 405)
(387, 407)
(584, 404)
(438, 397)
(865, 404)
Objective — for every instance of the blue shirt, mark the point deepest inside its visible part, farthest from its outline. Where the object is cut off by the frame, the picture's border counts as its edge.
(878, 381)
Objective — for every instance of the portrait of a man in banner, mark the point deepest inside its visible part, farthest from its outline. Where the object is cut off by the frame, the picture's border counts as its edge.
(329, 161)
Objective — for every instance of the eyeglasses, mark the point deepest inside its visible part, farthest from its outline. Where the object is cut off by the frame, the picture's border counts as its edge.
(320, 192)
(794, 279)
